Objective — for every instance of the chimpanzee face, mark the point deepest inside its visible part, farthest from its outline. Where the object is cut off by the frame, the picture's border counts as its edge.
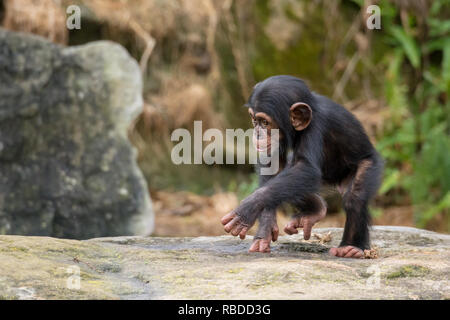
(262, 133)
(300, 115)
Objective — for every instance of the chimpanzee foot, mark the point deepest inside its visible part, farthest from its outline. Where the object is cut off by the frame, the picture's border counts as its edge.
(233, 224)
(347, 252)
(260, 245)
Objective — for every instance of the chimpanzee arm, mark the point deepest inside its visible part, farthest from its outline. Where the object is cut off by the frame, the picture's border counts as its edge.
(293, 184)
(267, 221)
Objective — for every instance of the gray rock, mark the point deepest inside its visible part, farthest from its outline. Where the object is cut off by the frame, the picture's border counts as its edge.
(66, 166)
(411, 264)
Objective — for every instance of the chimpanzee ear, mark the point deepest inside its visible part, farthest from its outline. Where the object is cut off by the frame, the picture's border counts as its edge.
(301, 115)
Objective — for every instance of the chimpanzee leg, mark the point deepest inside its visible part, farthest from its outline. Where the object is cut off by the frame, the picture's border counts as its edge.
(312, 211)
(356, 194)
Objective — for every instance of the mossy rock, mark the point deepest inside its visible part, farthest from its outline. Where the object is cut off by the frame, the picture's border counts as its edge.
(221, 268)
(67, 168)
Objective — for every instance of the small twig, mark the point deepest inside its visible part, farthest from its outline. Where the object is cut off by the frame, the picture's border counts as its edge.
(210, 38)
(371, 254)
(339, 91)
(323, 238)
(149, 41)
(235, 48)
(76, 260)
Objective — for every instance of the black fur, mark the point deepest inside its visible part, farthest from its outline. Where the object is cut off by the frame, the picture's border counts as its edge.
(328, 151)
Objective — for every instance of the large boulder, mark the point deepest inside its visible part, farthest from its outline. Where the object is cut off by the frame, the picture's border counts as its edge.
(66, 166)
(411, 264)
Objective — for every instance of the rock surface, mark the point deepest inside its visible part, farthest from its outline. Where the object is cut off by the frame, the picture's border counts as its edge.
(412, 264)
(66, 166)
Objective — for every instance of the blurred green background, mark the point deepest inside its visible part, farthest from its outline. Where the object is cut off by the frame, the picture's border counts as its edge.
(201, 58)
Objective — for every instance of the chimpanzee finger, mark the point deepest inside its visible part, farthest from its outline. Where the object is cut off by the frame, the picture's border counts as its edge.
(237, 229)
(333, 251)
(290, 229)
(243, 233)
(228, 217)
(347, 249)
(275, 232)
(336, 252)
(307, 230)
(264, 246)
(354, 252)
(348, 254)
(230, 225)
(343, 251)
(255, 246)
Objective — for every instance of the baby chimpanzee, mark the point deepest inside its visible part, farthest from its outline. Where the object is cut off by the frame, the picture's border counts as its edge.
(328, 146)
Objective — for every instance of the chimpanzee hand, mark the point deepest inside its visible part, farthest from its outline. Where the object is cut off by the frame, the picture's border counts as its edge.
(267, 231)
(305, 222)
(313, 210)
(240, 220)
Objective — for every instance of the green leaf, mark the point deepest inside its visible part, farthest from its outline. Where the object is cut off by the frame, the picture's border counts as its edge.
(359, 2)
(408, 44)
(437, 5)
(434, 45)
(390, 181)
(432, 211)
(376, 212)
(438, 27)
(446, 65)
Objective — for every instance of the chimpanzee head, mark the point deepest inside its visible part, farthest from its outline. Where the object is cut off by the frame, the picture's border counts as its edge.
(279, 102)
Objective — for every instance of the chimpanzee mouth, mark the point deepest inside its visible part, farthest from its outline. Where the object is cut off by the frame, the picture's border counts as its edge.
(263, 149)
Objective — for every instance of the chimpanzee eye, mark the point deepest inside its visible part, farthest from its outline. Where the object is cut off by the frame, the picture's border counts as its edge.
(265, 122)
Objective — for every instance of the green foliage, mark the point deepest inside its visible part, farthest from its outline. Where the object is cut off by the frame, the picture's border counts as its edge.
(308, 53)
(416, 140)
(408, 45)
(244, 188)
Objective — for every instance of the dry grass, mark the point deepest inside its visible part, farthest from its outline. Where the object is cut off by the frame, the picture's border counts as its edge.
(185, 91)
(186, 102)
(372, 113)
(174, 42)
(43, 17)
